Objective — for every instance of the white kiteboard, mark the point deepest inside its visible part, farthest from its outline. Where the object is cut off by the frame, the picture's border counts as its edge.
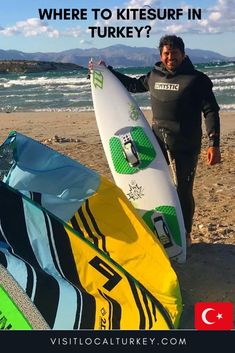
(136, 161)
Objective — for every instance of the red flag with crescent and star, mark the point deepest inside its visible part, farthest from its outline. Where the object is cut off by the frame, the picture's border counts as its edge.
(213, 316)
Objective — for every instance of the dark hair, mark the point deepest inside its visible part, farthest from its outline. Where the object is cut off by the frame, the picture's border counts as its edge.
(173, 41)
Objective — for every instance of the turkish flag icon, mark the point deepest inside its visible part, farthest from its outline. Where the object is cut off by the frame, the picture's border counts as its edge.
(213, 316)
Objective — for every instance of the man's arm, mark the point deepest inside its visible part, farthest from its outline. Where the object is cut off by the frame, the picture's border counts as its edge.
(134, 85)
(210, 110)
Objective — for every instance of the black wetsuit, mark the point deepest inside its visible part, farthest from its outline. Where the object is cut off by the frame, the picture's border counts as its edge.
(178, 100)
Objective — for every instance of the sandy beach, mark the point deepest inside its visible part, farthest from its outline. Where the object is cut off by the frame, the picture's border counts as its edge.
(209, 273)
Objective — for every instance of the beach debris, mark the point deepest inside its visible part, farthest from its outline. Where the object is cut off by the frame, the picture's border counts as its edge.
(60, 139)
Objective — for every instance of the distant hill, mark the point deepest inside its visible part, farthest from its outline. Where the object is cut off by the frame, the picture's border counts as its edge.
(30, 66)
(116, 55)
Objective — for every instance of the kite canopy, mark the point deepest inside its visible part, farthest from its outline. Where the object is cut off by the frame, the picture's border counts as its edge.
(75, 250)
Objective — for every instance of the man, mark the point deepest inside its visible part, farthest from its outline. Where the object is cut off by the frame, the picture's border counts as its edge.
(179, 94)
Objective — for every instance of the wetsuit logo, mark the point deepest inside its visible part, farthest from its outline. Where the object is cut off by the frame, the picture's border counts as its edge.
(167, 86)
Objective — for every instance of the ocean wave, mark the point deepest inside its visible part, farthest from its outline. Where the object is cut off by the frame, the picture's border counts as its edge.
(90, 108)
(223, 80)
(44, 101)
(224, 88)
(41, 81)
(79, 99)
(227, 107)
(23, 95)
(73, 109)
(222, 65)
(72, 92)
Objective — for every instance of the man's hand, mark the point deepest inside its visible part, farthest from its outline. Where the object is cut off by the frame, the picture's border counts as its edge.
(213, 155)
(91, 64)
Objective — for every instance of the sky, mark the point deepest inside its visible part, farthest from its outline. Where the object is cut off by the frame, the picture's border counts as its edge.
(86, 24)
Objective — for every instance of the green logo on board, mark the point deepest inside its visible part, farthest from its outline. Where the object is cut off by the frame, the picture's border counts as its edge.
(98, 79)
(11, 317)
(144, 148)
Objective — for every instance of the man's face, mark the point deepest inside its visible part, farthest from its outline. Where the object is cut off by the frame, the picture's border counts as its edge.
(171, 58)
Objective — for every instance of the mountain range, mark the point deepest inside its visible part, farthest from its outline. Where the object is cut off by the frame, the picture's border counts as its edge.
(117, 55)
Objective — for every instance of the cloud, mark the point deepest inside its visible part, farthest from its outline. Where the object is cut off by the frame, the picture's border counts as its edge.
(85, 42)
(222, 16)
(30, 28)
(33, 27)
(218, 18)
(214, 16)
(141, 3)
(72, 32)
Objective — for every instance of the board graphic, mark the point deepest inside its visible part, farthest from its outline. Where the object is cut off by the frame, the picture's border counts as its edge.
(136, 160)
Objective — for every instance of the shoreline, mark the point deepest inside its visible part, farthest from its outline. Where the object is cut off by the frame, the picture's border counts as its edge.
(208, 274)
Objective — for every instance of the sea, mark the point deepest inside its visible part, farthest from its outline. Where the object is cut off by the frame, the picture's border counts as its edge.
(71, 91)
